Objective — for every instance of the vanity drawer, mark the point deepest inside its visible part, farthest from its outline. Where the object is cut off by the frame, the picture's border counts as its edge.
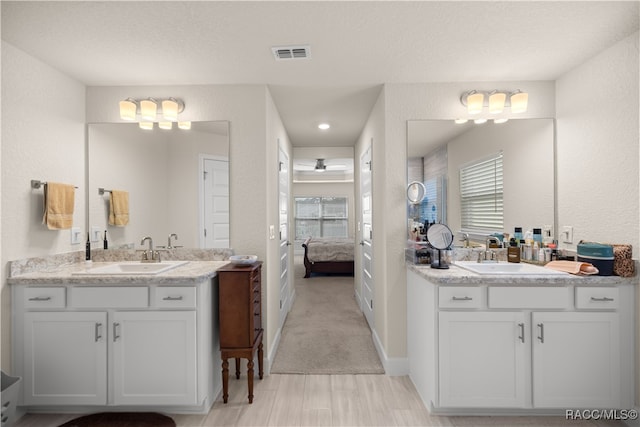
(109, 297)
(460, 297)
(44, 297)
(175, 297)
(596, 298)
(528, 297)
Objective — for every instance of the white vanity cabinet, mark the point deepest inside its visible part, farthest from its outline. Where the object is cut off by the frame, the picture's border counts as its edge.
(494, 347)
(120, 345)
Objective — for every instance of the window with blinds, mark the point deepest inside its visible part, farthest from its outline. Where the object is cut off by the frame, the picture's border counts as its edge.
(481, 194)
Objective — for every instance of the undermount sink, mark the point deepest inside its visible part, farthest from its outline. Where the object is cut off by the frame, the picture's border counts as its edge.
(507, 268)
(132, 268)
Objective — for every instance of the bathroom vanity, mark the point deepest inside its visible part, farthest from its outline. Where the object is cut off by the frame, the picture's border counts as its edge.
(84, 339)
(520, 344)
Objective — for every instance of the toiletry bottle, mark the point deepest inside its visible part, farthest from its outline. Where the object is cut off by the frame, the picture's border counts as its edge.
(513, 252)
(518, 233)
(105, 242)
(537, 235)
(87, 255)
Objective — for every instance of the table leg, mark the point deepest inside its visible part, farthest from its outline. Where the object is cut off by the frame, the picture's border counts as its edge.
(260, 361)
(237, 368)
(250, 378)
(225, 380)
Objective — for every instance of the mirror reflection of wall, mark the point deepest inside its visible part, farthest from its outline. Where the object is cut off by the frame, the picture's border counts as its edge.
(162, 170)
(443, 147)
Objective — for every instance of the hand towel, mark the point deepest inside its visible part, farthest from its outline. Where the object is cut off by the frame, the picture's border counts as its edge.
(573, 267)
(59, 200)
(119, 208)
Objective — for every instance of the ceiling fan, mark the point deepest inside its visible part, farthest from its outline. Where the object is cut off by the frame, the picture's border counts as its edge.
(319, 166)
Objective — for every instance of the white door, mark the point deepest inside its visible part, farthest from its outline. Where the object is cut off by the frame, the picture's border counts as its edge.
(285, 243)
(366, 238)
(576, 360)
(482, 359)
(154, 357)
(65, 358)
(215, 186)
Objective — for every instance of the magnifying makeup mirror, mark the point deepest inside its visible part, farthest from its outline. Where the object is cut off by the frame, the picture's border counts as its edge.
(415, 192)
(440, 238)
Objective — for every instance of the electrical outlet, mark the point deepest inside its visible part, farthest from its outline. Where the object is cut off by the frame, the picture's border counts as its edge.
(95, 234)
(547, 233)
(75, 235)
(567, 234)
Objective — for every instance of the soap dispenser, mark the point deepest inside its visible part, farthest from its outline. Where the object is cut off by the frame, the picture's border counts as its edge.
(513, 252)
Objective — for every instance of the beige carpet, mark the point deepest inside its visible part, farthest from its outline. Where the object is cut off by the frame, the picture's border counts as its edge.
(325, 331)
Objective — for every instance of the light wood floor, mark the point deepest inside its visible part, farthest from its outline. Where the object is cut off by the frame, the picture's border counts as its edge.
(327, 400)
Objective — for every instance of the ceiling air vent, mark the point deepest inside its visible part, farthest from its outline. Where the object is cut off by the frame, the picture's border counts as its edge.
(283, 53)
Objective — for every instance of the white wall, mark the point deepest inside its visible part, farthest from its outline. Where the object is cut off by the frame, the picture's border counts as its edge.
(598, 159)
(43, 119)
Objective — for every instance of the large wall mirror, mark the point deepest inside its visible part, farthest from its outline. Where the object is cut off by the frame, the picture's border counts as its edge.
(178, 182)
(437, 149)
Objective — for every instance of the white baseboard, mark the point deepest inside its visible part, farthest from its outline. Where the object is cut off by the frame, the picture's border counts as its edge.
(393, 366)
(272, 352)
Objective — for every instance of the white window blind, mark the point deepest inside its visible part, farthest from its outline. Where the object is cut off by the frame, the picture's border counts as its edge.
(481, 194)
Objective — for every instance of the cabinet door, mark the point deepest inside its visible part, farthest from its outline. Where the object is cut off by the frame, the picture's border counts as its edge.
(65, 358)
(482, 359)
(154, 357)
(576, 360)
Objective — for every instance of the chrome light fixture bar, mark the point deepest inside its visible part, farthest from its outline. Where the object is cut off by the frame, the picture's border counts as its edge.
(496, 101)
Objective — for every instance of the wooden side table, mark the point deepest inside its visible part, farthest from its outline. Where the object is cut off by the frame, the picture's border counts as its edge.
(240, 308)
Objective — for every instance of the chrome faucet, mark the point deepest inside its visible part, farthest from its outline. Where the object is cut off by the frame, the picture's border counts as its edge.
(465, 240)
(174, 235)
(150, 255)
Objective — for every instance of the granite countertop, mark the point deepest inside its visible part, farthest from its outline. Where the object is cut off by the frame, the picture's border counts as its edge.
(459, 276)
(188, 274)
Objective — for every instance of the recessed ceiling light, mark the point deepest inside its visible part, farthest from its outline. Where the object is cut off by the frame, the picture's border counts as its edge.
(324, 126)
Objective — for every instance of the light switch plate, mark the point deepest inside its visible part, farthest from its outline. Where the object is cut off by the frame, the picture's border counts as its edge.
(95, 234)
(75, 235)
(272, 232)
(567, 234)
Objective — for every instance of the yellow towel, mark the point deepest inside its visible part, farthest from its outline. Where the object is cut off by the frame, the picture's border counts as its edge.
(119, 208)
(58, 205)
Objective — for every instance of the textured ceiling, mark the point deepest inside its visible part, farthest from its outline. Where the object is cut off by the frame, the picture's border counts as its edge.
(355, 47)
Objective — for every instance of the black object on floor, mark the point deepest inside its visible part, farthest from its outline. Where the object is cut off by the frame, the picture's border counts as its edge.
(122, 419)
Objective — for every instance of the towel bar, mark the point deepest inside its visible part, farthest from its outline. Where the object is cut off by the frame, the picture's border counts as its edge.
(101, 191)
(36, 183)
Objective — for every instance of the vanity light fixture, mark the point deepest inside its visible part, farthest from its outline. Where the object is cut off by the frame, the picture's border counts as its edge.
(128, 109)
(148, 110)
(497, 101)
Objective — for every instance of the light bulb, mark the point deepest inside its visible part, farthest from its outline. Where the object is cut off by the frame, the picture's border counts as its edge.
(170, 110)
(475, 101)
(496, 102)
(148, 109)
(519, 101)
(128, 109)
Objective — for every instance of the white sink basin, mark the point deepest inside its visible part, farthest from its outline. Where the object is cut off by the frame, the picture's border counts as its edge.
(132, 268)
(507, 268)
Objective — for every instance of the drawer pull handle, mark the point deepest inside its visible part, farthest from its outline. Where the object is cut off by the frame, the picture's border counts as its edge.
(98, 332)
(605, 299)
(521, 336)
(40, 299)
(462, 298)
(170, 298)
(116, 335)
(541, 336)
